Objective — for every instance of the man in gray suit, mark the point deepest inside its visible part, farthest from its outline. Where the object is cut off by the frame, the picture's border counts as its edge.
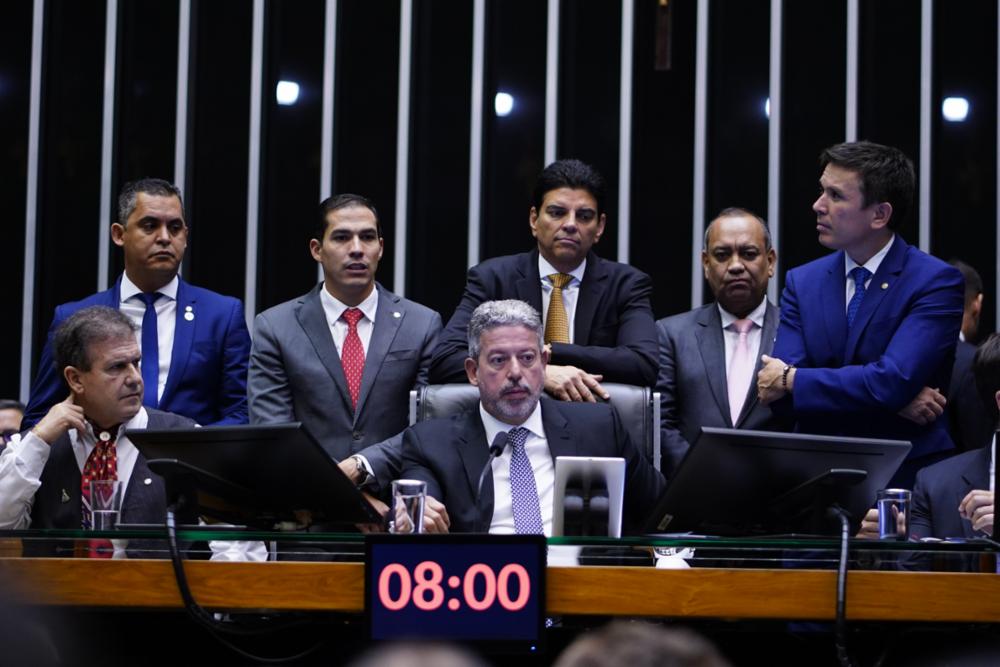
(709, 356)
(343, 358)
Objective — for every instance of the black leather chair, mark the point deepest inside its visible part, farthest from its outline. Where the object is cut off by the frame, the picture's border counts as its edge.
(638, 408)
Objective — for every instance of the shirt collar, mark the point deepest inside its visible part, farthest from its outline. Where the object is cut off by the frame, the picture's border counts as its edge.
(89, 438)
(334, 307)
(492, 425)
(873, 263)
(129, 290)
(756, 315)
(546, 269)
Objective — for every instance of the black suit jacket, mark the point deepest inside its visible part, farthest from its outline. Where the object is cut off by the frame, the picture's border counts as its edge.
(450, 453)
(970, 423)
(939, 490)
(613, 327)
(692, 383)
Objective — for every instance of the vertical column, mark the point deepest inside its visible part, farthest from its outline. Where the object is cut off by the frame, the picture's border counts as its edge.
(476, 129)
(700, 139)
(403, 144)
(329, 88)
(551, 82)
(996, 254)
(253, 169)
(926, 72)
(107, 142)
(625, 133)
(183, 70)
(774, 138)
(31, 196)
(851, 112)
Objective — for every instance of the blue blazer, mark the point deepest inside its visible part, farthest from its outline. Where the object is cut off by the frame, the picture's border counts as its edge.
(207, 381)
(903, 339)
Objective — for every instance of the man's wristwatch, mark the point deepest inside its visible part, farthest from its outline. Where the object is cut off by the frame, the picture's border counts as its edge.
(363, 475)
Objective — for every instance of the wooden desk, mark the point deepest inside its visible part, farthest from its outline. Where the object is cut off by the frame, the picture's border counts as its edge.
(612, 591)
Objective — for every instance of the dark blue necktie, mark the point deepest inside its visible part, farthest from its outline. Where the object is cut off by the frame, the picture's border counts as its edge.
(150, 351)
(861, 276)
(523, 492)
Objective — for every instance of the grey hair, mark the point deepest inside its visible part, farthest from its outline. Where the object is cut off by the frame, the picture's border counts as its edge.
(84, 328)
(156, 187)
(506, 313)
(737, 212)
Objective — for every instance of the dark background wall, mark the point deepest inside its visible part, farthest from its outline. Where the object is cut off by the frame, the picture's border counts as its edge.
(68, 230)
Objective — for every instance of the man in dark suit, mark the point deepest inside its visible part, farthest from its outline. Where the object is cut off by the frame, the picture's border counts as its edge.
(44, 473)
(709, 356)
(194, 342)
(343, 358)
(507, 360)
(869, 331)
(968, 418)
(954, 498)
(597, 317)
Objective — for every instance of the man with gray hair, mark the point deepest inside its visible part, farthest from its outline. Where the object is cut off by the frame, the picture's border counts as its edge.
(507, 360)
(194, 343)
(44, 477)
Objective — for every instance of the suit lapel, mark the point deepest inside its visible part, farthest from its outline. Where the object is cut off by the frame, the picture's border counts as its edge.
(184, 329)
(561, 441)
(112, 297)
(713, 356)
(528, 284)
(312, 319)
(888, 272)
(592, 289)
(834, 308)
(388, 318)
(767, 334)
(470, 437)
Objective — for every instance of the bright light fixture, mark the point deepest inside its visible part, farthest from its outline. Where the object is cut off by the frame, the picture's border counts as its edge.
(503, 103)
(287, 93)
(955, 109)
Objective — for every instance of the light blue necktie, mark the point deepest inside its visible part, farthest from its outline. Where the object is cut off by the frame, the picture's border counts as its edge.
(150, 351)
(523, 492)
(861, 276)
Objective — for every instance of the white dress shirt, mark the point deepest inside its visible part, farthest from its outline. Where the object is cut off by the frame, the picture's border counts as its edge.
(334, 308)
(731, 337)
(570, 292)
(537, 449)
(872, 265)
(131, 304)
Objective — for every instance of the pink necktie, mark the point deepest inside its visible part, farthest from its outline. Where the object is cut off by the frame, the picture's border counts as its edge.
(740, 369)
(352, 354)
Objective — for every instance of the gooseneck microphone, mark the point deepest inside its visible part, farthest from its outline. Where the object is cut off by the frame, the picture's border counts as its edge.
(496, 449)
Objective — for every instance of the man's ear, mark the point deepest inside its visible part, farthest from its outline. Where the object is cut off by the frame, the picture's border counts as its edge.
(117, 234)
(471, 366)
(72, 376)
(882, 214)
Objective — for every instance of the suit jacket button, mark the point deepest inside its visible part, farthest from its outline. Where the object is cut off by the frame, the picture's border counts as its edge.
(357, 435)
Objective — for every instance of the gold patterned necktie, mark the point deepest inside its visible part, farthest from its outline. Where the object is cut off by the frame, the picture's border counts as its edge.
(556, 322)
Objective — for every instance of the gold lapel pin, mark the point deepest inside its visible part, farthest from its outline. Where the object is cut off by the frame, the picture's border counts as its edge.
(885, 285)
(396, 314)
(188, 313)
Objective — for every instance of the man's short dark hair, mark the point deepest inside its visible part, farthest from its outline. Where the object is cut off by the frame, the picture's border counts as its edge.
(11, 404)
(973, 282)
(738, 212)
(336, 202)
(572, 174)
(84, 328)
(886, 174)
(156, 187)
(986, 371)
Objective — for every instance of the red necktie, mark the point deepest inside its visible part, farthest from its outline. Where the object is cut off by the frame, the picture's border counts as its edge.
(352, 355)
(102, 464)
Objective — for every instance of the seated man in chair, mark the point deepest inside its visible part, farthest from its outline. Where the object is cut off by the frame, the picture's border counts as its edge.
(507, 360)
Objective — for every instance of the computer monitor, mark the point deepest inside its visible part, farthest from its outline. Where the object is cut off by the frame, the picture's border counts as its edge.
(735, 483)
(254, 475)
(588, 495)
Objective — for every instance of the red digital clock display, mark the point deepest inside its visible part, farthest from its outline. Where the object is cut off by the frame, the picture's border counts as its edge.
(479, 588)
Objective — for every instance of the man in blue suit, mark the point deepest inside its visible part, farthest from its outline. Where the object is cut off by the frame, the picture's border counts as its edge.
(195, 344)
(867, 335)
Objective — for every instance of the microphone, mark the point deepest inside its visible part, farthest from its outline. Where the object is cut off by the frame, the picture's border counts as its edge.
(496, 449)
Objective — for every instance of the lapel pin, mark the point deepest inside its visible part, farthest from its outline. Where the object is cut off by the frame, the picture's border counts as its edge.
(147, 481)
(65, 496)
(885, 285)
(396, 314)
(188, 313)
